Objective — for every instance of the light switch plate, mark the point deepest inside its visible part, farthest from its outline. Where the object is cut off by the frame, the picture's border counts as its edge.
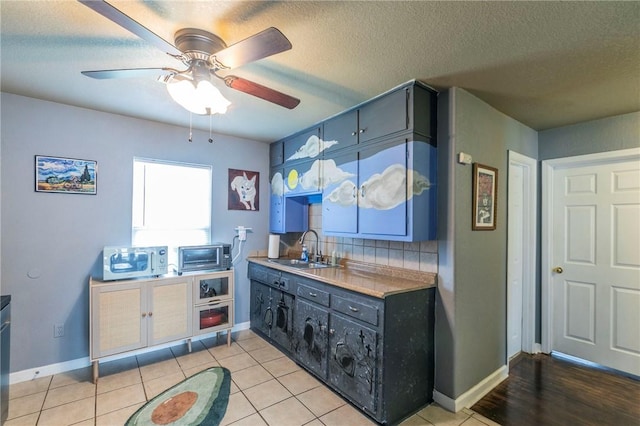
(464, 158)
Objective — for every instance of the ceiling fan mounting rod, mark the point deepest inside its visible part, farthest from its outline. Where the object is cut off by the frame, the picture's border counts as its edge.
(198, 44)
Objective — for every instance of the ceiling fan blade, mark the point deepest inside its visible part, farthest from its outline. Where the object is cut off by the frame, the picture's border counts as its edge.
(258, 46)
(113, 14)
(261, 91)
(129, 73)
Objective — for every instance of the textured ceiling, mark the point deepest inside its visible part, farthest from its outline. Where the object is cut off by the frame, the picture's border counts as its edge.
(546, 64)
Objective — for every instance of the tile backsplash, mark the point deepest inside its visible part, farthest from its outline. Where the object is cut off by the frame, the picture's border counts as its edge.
(418, 256)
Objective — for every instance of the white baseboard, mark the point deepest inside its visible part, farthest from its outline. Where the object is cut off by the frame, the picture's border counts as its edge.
(74, 364)
(474, 394)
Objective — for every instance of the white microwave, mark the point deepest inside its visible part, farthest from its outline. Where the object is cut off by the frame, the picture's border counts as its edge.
(120, 263)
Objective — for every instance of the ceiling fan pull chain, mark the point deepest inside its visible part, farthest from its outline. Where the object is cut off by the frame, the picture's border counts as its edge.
(190, 127)
(210, 138)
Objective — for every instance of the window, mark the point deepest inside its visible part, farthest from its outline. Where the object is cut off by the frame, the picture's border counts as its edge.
(171, 203)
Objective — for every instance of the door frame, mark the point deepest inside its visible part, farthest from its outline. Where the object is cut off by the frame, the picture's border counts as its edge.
(529, 249)
(548, 169)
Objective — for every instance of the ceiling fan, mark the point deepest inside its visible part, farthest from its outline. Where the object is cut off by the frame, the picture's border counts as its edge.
(204, 54)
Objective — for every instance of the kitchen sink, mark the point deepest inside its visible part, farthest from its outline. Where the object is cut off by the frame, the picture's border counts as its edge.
(301, 264)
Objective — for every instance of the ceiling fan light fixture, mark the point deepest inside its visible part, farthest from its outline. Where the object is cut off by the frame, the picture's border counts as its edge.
(200, 98)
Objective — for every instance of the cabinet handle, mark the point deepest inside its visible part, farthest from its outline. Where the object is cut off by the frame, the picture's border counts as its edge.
(353, 309)
(354, 133)
(313, 294)
(332, 331)
(150, 314)
(144, 314)
(362, 131)
(213, 304)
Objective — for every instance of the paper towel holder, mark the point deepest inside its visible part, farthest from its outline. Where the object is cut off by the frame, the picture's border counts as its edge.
(274, 246)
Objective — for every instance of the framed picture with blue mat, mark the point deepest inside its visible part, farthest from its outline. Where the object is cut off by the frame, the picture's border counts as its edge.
(198, 400)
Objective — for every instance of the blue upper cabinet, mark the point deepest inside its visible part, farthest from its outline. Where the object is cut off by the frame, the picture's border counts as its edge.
(375, 166)
(302, 154)
(285, 214)
(382, 191)
(276, 153)
(386, 115)
(378, 118)
(302, 178)
(342, 130)
(340, 193)
(382, 199)
(305, 145)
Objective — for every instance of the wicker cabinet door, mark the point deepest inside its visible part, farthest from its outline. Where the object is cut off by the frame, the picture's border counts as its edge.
(169, 310)
(119, 323)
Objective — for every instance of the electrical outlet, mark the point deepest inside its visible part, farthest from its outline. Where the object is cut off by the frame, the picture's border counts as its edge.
(242, 233)
(58, 330)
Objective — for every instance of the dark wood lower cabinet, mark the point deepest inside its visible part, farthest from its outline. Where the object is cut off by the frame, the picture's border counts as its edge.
(353, 365)
(376, 352)
(310, 344)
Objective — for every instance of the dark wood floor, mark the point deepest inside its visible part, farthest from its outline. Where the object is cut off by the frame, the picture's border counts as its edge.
(546, 390)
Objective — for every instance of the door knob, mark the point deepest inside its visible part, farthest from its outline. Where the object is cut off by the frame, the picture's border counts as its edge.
(558, 270)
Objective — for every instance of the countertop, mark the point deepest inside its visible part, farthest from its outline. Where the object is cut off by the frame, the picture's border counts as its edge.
(373, 280)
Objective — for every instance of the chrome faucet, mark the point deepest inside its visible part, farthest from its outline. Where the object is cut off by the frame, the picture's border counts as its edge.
(317, 254)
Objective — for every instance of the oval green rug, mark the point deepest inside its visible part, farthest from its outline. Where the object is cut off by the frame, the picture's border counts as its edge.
(199, 400)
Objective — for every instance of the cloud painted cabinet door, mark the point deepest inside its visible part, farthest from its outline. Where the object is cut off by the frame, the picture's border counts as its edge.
(302, 178)
(365, 191)
(340, 193)
(382, 198)
(384, 190)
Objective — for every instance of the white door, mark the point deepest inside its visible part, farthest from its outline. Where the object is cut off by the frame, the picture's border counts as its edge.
(594, 262)
(514, 267)
(521, 254)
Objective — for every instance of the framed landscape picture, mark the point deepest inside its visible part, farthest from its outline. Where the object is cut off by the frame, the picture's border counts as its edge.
(485, 197)
(65, 175)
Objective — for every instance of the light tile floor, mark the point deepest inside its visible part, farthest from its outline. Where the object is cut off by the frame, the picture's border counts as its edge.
(267, 389)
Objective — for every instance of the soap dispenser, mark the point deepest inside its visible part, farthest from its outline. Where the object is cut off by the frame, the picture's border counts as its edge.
(305, 253)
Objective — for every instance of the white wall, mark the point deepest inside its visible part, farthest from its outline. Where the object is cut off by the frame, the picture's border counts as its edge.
(51, 243)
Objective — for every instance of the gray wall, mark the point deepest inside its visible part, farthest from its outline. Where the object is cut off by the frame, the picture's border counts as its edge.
(471, 305)
(58, 238)
(607, 134)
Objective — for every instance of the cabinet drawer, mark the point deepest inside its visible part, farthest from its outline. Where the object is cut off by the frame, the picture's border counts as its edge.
(212, 317)
(311, 293)
(358, 310)
(258, 273)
